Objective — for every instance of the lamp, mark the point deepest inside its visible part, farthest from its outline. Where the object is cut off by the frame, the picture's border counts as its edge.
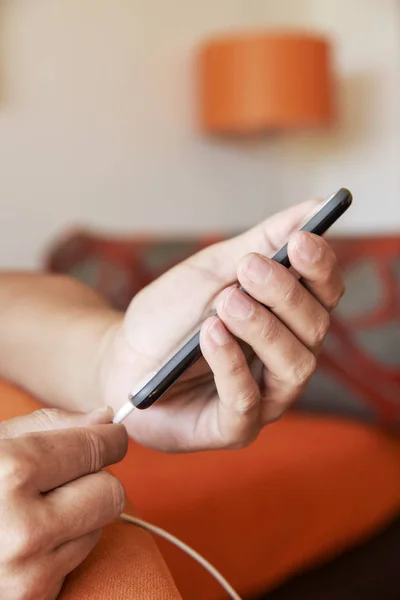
(255, 83)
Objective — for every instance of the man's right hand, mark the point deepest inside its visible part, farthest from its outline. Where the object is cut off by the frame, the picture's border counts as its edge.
(54, 496)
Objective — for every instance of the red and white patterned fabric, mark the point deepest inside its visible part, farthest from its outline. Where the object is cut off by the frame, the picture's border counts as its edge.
(359, 368)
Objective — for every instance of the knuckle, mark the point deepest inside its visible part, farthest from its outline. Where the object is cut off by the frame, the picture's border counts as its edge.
(237, 365)
(247, 399)
(16, 470)
(327, 269)
(46, 418)
(294, 294)
(94, 450)
(27, 538)
(325, 276)
(119, 497)
(338, 296)
(330, 259)
(321, 328)
(303, 371)
(117, 494)
(270, 330)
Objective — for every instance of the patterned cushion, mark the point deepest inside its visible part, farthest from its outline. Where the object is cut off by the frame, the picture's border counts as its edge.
(359, 368)
(119, 268)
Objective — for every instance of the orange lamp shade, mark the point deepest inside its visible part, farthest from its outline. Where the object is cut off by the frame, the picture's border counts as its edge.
(266, 82)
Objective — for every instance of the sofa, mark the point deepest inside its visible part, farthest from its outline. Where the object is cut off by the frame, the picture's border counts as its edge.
(322, 481)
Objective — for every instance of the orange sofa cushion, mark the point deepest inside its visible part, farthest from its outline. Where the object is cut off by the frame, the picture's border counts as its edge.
(307, 489)
(125, 564)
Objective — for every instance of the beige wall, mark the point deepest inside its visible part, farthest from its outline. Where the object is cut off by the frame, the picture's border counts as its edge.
(364, 152)
(97, 120)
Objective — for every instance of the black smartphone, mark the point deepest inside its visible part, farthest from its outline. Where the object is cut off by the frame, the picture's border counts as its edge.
(318, 224)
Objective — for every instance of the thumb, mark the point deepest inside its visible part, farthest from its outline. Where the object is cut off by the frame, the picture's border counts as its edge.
(189, 289)
(52, 418)
(266, 238)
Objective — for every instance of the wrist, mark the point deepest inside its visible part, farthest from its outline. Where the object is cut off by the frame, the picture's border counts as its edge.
(113, 374)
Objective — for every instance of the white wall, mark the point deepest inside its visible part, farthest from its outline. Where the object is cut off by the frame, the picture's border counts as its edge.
(97, 120)
(364, 151)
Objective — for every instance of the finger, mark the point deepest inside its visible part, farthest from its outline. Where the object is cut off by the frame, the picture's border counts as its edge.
(275, 287)
(313, 258)
(221, 260)
(82, 506)
(236, 422)
(52, 569)
(52, 418)
(208, 273)
(288, 361)
(67, 557)
(46, 460)
(266, 238)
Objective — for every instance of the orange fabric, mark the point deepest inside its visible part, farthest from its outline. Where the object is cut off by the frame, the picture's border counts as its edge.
(256, 82)
(126, 564)
(308, 488)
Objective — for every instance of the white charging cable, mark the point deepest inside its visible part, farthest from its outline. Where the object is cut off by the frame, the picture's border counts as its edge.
(121, 415)
(187, 549)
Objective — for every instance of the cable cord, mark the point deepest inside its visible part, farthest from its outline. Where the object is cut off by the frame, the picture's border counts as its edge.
(185, 548)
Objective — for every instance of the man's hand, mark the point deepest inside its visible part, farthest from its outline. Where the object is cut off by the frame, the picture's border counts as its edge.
(221, 402)
(93, 356)
(54, 498)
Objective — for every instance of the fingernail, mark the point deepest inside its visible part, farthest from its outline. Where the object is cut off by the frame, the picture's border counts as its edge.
(307, 248)
(238, 305)
(218, 333)
(257, 269)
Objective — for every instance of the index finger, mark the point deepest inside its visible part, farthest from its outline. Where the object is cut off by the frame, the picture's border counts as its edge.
(314, 260)
(58, 457)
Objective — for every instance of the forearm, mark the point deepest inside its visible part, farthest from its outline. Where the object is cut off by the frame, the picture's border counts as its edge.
(52, 334)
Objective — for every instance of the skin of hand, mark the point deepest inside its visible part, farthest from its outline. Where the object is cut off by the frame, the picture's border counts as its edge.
(54, 496)
(224, 400)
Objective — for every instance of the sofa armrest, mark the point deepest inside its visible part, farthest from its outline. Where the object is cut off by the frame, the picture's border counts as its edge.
(125, 564)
